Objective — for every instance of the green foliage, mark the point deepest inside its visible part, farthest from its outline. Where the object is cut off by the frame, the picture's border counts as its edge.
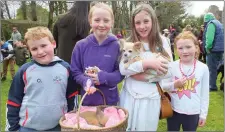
(22, 26)
(42, 13)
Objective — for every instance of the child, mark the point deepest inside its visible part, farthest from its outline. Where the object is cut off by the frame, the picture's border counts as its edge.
(42, 90)
(20, 52)
(188, 87)
(140, 97)
(102, 50)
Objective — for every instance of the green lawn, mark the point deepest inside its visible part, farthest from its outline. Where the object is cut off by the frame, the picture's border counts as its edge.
(215, 120)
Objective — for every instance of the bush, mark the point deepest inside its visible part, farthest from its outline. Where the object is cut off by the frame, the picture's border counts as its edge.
(22, 26)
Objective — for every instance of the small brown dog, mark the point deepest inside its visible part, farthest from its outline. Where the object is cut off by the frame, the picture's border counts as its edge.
(96, 118)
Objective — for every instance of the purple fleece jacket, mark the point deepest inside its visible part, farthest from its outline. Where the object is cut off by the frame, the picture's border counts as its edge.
(87, 52)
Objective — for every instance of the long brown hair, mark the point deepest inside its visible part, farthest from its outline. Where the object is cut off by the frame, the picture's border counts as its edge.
(154, 37)
(191, 36)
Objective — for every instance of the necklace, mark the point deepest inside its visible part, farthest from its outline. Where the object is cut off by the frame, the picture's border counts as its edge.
(188, 70)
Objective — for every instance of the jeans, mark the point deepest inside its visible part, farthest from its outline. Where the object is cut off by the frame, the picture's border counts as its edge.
(212, 60)
(25, 129)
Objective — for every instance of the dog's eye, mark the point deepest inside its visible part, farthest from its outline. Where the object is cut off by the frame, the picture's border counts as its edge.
(130, 51)
(123, 50)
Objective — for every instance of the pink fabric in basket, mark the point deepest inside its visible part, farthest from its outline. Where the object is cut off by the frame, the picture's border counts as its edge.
(115, 117)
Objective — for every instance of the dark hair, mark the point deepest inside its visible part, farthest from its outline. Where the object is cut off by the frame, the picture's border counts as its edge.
(77, 16)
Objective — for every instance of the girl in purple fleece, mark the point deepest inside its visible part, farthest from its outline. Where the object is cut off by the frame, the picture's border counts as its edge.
(102, 50)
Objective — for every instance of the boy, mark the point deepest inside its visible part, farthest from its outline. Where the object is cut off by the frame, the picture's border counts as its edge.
(43, 89)
(20, 52)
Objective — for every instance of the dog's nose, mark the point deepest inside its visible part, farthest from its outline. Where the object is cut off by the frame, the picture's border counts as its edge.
(125, 55)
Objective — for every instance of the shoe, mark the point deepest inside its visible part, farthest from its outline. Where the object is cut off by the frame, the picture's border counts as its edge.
(3, 79)
(213, 90)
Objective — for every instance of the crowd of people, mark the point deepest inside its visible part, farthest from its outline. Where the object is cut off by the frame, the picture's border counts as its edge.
(51, 83)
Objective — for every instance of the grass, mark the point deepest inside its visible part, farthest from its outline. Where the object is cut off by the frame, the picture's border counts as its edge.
(215, 119)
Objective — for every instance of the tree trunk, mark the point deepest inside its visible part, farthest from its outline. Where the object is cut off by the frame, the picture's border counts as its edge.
(7, 10)
(2, 16)
(50, 16)
(33, 11)
(60, 4)
(24, 9)
(56, 8)
(65, 6)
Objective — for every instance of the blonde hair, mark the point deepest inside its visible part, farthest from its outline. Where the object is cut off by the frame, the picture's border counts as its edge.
(154, 37)
(101, 6)
(37, 33)
(191, 36)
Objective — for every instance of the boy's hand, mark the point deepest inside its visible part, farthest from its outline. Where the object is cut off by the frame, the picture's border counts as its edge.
(201, 122)
(179, 83)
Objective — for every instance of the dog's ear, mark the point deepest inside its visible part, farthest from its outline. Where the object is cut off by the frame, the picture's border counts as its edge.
(137, 46)
(121, 43)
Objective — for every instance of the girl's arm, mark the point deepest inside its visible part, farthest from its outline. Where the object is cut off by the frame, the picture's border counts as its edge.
(204, 101)
(76, 66)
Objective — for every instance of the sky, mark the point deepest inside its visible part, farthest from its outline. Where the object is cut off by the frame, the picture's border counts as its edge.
(198, 7)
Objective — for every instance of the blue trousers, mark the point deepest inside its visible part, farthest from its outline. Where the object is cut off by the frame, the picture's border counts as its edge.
(212, 60)
(25, 129)
(188, 122)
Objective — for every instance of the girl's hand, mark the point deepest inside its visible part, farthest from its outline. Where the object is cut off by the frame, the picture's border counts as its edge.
(140, 77)
(201, 122)
(180, 82)
(94, 78)
(159, 65)
(90, 90)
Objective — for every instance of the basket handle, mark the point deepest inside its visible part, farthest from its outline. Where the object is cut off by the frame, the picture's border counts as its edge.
(78, 119)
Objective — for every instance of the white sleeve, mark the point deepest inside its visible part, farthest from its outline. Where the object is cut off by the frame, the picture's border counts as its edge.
(204, 101)
(10, 49)
(166, 46)
(168, 83)
(133, 68)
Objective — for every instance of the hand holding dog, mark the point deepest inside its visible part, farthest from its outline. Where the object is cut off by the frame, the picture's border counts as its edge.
(159, 65)
(94, 78)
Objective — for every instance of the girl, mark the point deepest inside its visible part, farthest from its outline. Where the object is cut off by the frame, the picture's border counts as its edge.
(138, 96)
(188, 87)
(102, 50)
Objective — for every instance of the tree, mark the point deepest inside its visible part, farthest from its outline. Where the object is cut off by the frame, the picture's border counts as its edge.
(50, 16)
(7, 10)
(42, 13)
(24, 9)
(33, 11)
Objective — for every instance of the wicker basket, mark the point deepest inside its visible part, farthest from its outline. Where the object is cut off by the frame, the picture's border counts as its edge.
(119, 127)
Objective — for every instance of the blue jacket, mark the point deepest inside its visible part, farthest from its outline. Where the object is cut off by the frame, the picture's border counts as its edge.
(40, 94)
(5, 47)
(218, 42)
(88, 52)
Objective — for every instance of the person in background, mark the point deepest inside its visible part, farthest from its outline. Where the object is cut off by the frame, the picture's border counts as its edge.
(166, 34)
(7, 59)
(119, 35)
(213, 42)
(202, 55)
(173, 34)
(70, 28)
(21, 53)
(15, 36)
